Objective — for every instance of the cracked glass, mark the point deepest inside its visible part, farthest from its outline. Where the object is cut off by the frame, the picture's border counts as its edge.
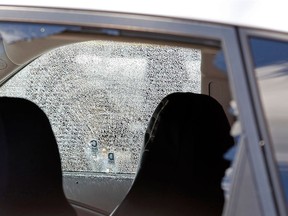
(99, 96)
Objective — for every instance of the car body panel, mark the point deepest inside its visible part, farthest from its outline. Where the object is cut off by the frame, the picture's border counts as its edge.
(255, 13)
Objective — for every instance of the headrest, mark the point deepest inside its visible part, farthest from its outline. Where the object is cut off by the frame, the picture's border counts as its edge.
(30, 167)
(185, 142)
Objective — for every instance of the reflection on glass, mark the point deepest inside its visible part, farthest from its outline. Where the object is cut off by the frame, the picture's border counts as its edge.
(271, 68)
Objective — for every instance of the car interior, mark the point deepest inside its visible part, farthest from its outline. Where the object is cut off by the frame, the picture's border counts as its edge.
(181, 129)
(180, 163)
(31, 175)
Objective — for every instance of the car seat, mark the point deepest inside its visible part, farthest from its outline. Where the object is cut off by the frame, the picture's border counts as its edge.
(182, 162)
(30, 167)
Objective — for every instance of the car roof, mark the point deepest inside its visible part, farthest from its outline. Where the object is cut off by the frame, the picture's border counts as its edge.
(260, 14)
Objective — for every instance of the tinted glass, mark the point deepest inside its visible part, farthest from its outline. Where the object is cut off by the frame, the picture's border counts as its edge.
(271, 68)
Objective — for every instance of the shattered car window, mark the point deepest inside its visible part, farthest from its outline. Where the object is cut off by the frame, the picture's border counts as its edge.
(99, 97)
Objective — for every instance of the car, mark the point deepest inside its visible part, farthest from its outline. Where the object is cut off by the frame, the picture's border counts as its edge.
(99, 70)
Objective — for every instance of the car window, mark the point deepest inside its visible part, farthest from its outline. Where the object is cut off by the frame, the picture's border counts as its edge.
(99, 96)
(271, 69)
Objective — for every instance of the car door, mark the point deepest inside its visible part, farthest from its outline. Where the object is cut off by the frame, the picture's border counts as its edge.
(101, 188)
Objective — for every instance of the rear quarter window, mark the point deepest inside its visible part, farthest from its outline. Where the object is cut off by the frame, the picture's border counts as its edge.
(270, 66)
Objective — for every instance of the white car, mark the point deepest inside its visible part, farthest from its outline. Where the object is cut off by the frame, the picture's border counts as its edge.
(99, 69)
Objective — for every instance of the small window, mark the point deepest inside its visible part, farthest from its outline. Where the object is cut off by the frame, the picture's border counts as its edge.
(271, 69)
(99, 96)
